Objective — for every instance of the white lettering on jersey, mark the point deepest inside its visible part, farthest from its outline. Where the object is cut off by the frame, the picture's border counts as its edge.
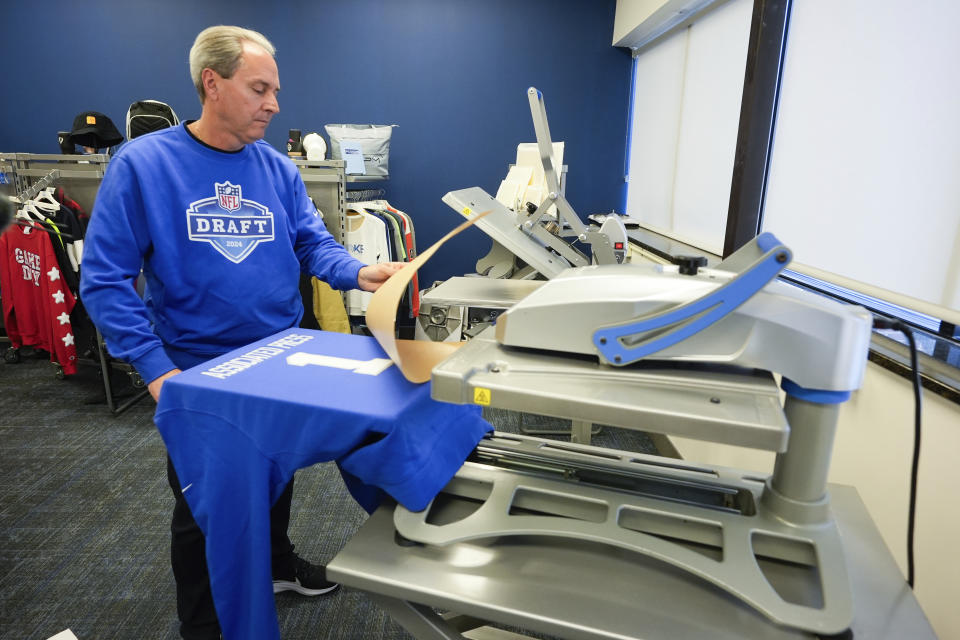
(371, 367)
(254, 357)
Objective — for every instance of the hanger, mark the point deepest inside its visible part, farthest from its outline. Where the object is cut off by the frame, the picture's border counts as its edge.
(43, 207)
(29, 212)
(27, 215)
(45, 199)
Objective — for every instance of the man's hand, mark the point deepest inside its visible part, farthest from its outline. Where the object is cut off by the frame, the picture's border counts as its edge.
(154, 387)
(373, 275)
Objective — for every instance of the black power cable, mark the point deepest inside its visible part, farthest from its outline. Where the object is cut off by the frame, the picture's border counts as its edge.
(915, 465)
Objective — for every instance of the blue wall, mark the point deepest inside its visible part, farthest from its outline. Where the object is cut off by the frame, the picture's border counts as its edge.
(452, 74)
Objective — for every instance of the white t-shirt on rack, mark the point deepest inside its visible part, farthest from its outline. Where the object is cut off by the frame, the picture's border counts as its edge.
(365, 238)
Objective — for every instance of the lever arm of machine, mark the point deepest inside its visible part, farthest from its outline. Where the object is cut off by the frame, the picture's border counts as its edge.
(627, 342)
(599, 242)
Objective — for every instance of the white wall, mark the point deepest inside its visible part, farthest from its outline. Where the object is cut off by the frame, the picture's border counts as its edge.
(873, 447)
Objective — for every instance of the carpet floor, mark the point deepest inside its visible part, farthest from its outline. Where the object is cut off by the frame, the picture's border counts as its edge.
(85, 512)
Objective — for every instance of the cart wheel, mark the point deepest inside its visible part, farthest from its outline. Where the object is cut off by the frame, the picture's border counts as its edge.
(11, 355)
(58, 372)
(136, 380)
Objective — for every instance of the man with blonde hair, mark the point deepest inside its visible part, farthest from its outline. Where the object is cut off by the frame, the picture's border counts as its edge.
(221, 226)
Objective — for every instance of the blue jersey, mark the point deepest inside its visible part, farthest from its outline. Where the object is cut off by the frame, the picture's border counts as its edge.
(238, 427)
(221, 238)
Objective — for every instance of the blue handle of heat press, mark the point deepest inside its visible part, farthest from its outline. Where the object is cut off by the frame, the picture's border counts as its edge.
(679, 323)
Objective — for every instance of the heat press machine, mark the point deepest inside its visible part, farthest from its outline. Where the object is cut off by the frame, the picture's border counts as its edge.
(461, 307)
(529, 246)
(543, 242)
(577, 541)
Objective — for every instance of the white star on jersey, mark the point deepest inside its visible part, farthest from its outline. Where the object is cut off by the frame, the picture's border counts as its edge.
(67, 339)
(54, 274)
(58, 297)
(64, 318)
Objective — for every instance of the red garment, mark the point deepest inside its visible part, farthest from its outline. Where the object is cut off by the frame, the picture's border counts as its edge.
(36, 302)
(82, 216)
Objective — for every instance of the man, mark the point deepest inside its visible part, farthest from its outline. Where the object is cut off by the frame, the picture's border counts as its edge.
(221, 226)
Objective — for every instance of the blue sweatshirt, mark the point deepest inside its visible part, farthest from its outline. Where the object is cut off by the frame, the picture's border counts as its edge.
(221, 238)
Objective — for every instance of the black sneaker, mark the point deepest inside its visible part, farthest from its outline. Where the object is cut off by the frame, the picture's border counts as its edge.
(307, 579)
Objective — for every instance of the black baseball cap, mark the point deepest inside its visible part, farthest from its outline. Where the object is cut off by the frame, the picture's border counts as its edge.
(93, 129)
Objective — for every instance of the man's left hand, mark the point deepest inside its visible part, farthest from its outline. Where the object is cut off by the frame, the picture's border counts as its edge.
(373, 275)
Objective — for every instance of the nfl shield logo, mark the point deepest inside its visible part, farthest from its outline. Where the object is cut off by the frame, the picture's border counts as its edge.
(228, 195)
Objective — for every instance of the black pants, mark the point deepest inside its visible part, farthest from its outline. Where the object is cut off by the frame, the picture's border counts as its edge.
(198, 618)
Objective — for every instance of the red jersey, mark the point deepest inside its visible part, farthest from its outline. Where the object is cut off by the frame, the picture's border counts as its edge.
(36, 302)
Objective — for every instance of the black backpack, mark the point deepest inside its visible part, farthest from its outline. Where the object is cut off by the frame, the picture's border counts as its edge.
(145, 116)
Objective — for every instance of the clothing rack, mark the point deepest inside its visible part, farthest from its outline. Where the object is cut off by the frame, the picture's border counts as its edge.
(80, 175)
(361, 195)
(40, 227)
